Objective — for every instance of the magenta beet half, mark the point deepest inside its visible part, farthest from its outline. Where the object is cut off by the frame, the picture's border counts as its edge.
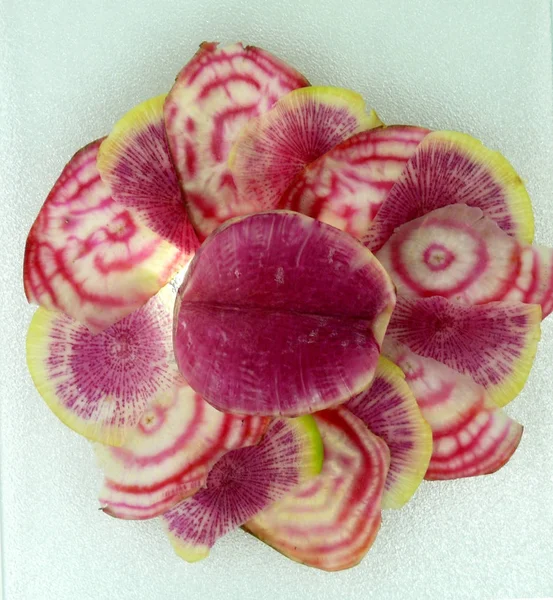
(280, 314)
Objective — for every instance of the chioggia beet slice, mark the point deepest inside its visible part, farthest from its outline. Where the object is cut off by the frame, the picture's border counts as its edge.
(168, 456)
(243, 483)
(454, 168)
(346, 186)
(331, 521)
(88, 256)
(214, 96)
(471, 436)
(135, 161)
(389, 409)
(302, 126)
(458, 253)
(281, 314)
(100, 385)
(494, 343)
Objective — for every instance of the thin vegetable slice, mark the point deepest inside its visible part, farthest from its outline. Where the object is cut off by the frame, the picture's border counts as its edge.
(302, 126)
(135, 161)
(88, 256)
(243, 483)
(281, 314)
(168, 456)
(100, 385)
(458, 253)
(214, 96)
(471, 436)
(454, 168)
(495, 343)
(346, 186)
(389, 409)
(331, 521)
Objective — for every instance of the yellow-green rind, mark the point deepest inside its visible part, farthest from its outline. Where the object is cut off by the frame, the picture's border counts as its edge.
(516, 196)
(402, 491)
(308, 434)
(509, 389)
(37, 343)
(134, 121)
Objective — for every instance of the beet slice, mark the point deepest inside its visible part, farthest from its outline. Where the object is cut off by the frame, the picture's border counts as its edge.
(281, 314)
(168, 456)
(471, 435)
(302, 126)
(494, 343)
(100, 385)
(331, 521)
(88, 256)
(346, 186)
(243, 483)
(454, 168)
(214, 96)
(389, 409)
(458, 253)
(135, 161)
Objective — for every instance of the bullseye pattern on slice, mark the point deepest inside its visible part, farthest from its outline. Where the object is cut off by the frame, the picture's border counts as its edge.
(389, 409)
(214, 96)
(243, 483)
(281, 314)
(302, 126)
(88, 256)
(471, 436)
(458, 253)
(331, 521)
(454, 168)
(346, 186)
(494, 343)
(100, 385)
(135, 161)
(168, 456)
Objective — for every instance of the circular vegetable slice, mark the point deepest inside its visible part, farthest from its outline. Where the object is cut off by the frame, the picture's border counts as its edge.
(281, 314)
(214, 96)
(99, 385)
(302, 126)
(135, 161)
(471, 436)
(493, 343)
(88, 256)
(456, 252)
(330, 522)
(243, 483)
(346, 186)
(389, 409)
(454, 168)
(168, 456)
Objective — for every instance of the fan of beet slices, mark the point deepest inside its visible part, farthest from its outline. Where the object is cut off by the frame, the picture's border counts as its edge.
(269, 310)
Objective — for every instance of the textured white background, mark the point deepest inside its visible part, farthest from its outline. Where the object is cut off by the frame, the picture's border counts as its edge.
(68, 70)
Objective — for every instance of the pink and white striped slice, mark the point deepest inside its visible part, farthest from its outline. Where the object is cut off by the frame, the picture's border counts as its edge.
(494, 343)
(214, 96)
(243, 483)
(331, 521)
(90, 257)
(458, 253)
(471, 436)
(346, 186)
(389, 409)
(454, 168)
(168, 456)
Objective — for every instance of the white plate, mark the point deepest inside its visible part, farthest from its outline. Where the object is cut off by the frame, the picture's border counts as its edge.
(69, 69)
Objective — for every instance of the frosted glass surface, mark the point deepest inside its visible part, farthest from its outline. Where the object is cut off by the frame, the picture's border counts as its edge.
(68, 70)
